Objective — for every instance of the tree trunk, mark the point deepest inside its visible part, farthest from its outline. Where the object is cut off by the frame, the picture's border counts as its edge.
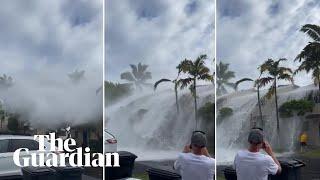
(260, 111)
(195, 102)
(319, 85)
(177, 102)
(276, 99)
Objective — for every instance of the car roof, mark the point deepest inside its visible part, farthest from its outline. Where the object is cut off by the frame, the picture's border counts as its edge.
(15, 137)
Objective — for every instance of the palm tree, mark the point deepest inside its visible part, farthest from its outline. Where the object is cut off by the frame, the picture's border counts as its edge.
(138, 75)
(257, 84)
(76, 76)
(213, 73)
(195, 70)
(276, 73)
(2, 113)
(309, 57)
(223, 77)
(5, 81)
(176, 85)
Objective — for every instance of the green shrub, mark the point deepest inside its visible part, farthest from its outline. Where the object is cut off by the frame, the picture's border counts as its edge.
(300, 107)
(225, 112)
(206, 112)
(13, 123)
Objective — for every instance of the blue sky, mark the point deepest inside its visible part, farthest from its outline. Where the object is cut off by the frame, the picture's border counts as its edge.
(250, 31)
(157, 33)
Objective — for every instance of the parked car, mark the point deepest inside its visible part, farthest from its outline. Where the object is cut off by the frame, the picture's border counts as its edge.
(8, 145)
(110, 142)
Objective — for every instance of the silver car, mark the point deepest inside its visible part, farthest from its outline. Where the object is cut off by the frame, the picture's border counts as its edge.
(8, 145)
(110, 142)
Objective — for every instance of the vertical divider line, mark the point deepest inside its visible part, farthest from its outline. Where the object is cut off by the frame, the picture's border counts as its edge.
(215, 86)
(103, 80)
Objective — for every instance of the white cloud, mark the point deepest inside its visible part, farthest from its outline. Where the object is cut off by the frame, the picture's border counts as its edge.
(40, 43)
(252, 31)
(157, 33)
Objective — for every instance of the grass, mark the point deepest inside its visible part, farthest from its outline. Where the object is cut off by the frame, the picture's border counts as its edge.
(312, 154)
(143, 176)
(220, 178)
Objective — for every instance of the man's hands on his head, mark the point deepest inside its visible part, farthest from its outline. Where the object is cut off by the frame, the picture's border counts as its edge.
(267, 148)
(205, 152)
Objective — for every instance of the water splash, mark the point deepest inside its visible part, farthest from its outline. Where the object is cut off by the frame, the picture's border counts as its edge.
(148, 124)
(232, 131)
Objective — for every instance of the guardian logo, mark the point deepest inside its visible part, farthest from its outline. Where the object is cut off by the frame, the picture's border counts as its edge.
(74, 157)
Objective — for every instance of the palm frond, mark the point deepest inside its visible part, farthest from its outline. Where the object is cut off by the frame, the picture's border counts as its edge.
(206, 77)
(160, 81)
(203, 70)
(285, 76)
(265, 80)
(236, 84)
(311, 50)
(142, 67)
(285, 70)
(312, 30)
(184, 82)
(266, 65)
(200, 60)
(184, 66)
(281, 59)
(127, 76)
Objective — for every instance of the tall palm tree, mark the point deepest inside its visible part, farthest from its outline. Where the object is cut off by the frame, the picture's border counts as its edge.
(5, 81)
(213, 73)
(275, 73)
(138, 75)
(195, 70)
(2, 114)
(176, 85)
(309, 57)
(257, 84)
(223, 77)
(76, 76)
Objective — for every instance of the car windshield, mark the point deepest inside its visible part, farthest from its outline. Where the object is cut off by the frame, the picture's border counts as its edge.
(109, 135)
(4, 145)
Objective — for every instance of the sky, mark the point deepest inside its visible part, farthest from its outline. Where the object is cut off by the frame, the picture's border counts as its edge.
(249, 32)
(41, 42)
(50, 36)
(157, 33)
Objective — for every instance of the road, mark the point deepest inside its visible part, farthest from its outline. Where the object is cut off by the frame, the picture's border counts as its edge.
(84, 177)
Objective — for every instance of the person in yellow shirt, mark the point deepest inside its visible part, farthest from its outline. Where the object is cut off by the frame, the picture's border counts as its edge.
(303, 141)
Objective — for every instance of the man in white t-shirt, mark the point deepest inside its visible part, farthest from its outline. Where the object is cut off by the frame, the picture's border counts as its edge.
(195, 163)
(251, 164)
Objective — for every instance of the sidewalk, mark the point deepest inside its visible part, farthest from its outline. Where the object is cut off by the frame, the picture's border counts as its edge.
(140, 167)
(312, 169)
(85, 177)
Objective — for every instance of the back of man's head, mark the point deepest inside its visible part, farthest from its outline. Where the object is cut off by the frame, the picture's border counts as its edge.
(198, 139)
(256, 137)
